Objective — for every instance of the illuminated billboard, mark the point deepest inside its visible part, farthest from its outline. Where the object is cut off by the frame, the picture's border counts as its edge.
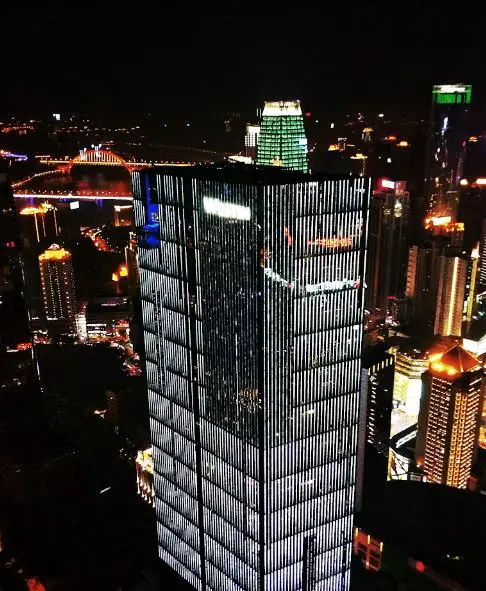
(452, 94)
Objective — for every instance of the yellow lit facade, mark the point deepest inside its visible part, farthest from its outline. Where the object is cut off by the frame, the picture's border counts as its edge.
(58, 291)
(450, 296)
(453, 388)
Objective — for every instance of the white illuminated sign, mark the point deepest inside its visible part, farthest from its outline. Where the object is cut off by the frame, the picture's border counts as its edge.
(74, 205)
(223, 209)
(332, 285)
(451, 88)
(406, 439)
(386, 184)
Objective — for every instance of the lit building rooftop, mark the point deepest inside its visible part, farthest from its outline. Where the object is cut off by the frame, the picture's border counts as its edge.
(55, 253)
(454, 361)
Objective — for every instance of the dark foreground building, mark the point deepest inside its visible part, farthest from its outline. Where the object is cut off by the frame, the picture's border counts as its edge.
(252, 295)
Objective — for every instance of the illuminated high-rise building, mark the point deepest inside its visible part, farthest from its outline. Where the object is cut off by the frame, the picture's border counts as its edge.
(58, 291)
(282, 140)
(450, 416)
(450, 295)
(447, 147)
(471, 283)
(387, 251)
(252, 297)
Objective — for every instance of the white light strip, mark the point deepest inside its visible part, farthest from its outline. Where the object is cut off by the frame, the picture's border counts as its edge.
(224, 209)
(279, 108)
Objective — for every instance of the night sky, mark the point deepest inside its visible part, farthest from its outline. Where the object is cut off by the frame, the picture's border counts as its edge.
(130, 57)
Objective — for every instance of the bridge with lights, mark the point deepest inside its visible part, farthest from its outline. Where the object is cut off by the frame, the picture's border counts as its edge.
(99, 157)
(94, 157)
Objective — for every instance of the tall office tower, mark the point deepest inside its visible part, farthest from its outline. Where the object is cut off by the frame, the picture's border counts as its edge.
(450, 295)
(386, 270)
(282, 140)
(471, 282)
(251, 140)
(447, 147)
(58, 292)
(451, 416)
(252, 295)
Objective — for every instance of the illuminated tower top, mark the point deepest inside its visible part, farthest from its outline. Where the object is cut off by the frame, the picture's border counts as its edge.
(282, 140)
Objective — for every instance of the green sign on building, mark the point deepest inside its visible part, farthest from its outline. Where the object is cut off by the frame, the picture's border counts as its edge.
(452, 94)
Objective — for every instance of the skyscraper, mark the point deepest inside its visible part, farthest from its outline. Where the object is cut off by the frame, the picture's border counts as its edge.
(450, 416)
(450, 295)
(252, 292)
(282, 140)
(447, 147)
(58, 292)
(388, 247)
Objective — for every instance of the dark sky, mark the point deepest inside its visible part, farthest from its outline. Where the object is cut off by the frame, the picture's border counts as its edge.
(132, 57)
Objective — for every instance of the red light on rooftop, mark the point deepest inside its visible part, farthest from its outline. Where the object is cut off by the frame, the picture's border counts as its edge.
(419, 566)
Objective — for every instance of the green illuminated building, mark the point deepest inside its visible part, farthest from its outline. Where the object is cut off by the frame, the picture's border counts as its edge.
(282, 140)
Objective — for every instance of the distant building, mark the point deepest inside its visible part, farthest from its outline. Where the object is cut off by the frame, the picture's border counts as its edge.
(144, 465)
(482, 258)
(386, 270)
(106, 316)
(407, 393)
(471, 284)
(450, 295)
(450, 416)
(447, 147)
(376, 405)
(58, 290)
(251, 140)
(123, 215)
(282, 140)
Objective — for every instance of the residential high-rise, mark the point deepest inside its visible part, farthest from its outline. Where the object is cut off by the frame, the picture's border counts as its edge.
(58, 291)
(450, 416)
(252, 296)
(282, 140)
(450, 295)
(447, 147)
(388, 248)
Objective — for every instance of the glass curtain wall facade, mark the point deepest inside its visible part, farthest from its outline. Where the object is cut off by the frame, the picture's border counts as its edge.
(282, 140)
(252, 299)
